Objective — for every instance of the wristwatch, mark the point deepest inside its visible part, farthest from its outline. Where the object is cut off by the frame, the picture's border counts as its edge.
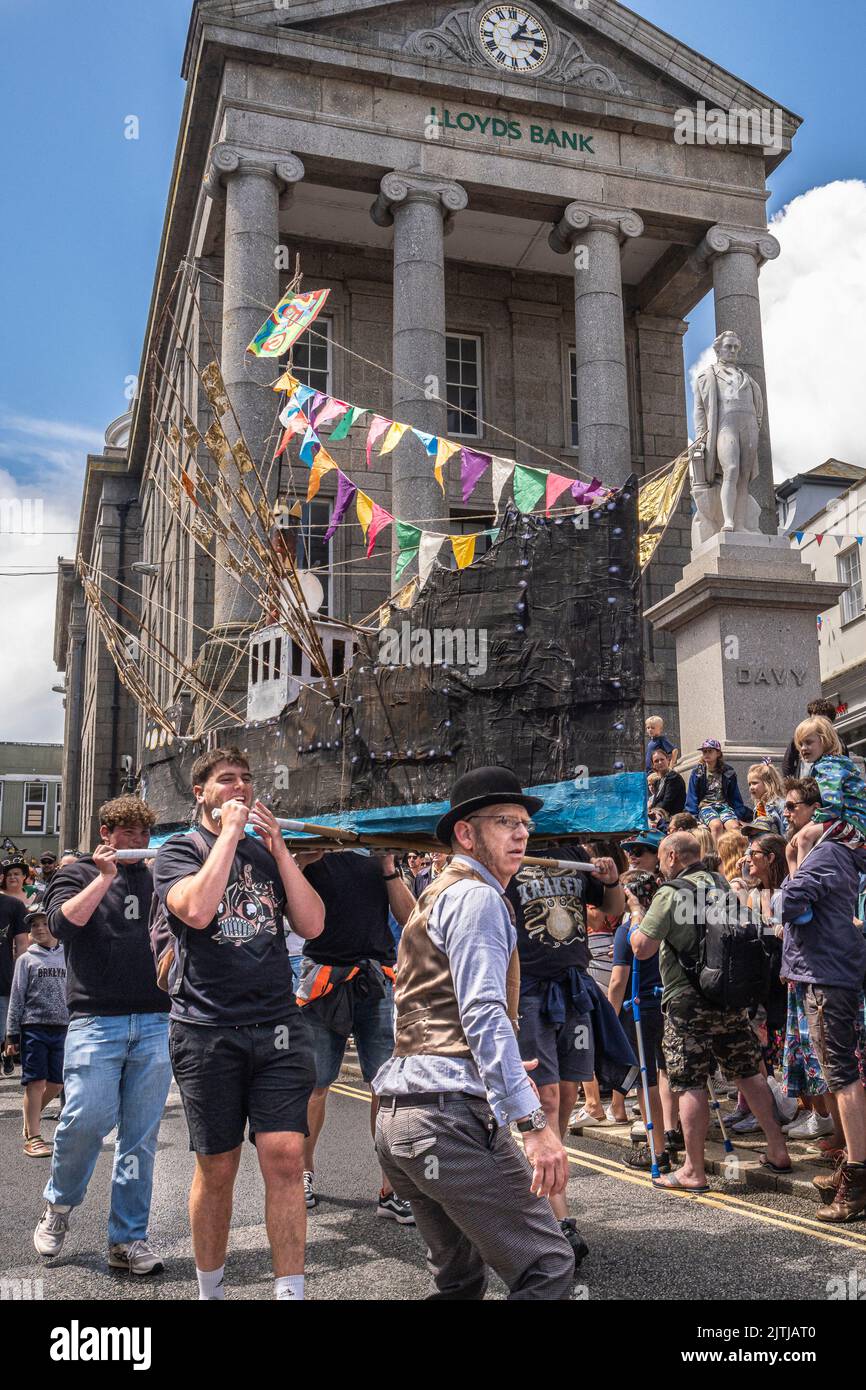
(395, 874)
(537, 1120)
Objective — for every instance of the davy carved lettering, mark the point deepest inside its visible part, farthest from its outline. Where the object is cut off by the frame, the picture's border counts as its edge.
(775, 676)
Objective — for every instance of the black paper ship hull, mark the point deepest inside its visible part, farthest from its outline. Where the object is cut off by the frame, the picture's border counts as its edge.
(550, 682)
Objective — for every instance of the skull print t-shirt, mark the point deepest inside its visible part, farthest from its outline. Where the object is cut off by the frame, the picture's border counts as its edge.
(236, 972)
(550, 912)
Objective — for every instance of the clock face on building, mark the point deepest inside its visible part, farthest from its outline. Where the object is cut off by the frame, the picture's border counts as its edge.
(512, 38)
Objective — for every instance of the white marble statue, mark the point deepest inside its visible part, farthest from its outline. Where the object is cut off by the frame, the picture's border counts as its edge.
(729, 408)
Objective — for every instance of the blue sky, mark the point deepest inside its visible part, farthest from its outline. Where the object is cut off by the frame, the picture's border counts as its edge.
(84, 207)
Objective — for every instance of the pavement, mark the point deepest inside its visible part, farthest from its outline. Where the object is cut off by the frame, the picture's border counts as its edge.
(735, 1243)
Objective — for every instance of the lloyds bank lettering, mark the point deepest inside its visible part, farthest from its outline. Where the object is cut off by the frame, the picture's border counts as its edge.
(470, 122)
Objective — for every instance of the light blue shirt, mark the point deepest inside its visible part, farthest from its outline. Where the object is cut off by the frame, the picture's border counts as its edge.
(471, 925)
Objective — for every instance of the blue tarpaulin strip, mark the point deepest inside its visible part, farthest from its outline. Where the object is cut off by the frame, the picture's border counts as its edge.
(602, 806)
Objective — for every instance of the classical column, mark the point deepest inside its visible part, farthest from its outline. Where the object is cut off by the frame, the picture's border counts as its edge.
(253, 181)
(421, 209)
(593, 233)
(736, 255)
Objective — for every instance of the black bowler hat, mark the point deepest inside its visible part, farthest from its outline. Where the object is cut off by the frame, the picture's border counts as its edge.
(484, 786)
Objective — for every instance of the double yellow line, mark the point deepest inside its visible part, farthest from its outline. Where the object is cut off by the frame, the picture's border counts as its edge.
(721, 1201)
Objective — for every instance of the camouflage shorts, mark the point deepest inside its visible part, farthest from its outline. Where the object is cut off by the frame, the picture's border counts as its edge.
(697, 1037)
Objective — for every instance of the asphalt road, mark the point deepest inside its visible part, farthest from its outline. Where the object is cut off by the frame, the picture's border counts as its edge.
(643, 1244)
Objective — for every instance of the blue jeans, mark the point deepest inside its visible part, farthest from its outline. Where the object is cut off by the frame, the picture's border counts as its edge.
(116, 1071)
(372, 1029)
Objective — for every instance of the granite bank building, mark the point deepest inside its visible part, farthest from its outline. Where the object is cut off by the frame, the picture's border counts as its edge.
(522, 202)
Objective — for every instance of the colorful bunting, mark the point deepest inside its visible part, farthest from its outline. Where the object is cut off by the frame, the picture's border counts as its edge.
(379, 520)
(427, 552)
(444, 450)
(556, 486)
(529, 487)
(351, 417)
(408, 541)
(287, 382)
(378, 426)
(315, 406)
(345, 492)
(330, 410)
(502, 471)
(819, 537)
(296, 424)
(472, 466)
(323, 464)
(799, 535)
(464, 550)
(393, 437)
(302, 395)
(429, 441)
(310, 443)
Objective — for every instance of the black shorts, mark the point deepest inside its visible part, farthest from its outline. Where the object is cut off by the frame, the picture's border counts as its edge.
(42, 1053)
(262, 1075)
(652, 1029)
(564, 1051)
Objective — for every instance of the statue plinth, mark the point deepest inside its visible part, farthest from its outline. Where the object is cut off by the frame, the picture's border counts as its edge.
(743, 619)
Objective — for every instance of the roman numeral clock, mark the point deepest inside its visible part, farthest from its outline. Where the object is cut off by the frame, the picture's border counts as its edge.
(512, 38)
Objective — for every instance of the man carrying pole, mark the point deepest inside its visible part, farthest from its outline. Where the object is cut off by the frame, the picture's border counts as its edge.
(456, 1081)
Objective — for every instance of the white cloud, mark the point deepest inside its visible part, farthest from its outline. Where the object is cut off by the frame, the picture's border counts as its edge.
(37, 524)
(813, 306)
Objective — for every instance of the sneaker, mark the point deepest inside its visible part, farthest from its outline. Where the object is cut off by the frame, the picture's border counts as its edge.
(811, 1126)
(8, 1065)
(394, 1207)
(135, 1256)
(637, 1133)
(575, 1240)
(642, 1159)
(310, 1199)
(736, 1117)
(36, 1147)
(750, 1125)
(51, 1230)
(787, 1107)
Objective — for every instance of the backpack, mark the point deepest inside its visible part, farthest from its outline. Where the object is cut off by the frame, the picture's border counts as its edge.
(169, 950)
(731, 967)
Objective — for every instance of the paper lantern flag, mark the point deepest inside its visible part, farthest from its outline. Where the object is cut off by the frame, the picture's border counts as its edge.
(292, 316)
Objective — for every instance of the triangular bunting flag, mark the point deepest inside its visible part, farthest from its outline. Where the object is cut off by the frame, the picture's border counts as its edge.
(556, 486)
(472, 466)
(859, 540)
(287, 382)
(464, 549)
(303, 394)
(315, 406)
(444, 450)
(351, 417)
(291, 412)
(408, 541)
(428, 440)
(331, 410)
(296, 424)
(323, 464)
(427, 552)
(364, 509)
(529, 487)
(799, 536)
(380, 520)
(378, 426)
(311, 442)
(819, 536)
(345, 492)
(393, 437)
(502, 471)
(839, 540)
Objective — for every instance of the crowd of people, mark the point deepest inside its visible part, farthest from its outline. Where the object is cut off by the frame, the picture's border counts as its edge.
(488, 1000)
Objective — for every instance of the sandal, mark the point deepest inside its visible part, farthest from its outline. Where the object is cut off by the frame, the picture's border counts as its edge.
(36, 1147)
(671, 1182)
(764, 1162)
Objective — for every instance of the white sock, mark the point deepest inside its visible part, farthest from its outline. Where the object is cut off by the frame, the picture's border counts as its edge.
(210, 1283)
(290, 1287)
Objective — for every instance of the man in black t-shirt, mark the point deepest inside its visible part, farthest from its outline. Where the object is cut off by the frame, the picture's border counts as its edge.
(116, 1070)
(14, 940)
(358, 951)
(239, 1049)
(556, 1010)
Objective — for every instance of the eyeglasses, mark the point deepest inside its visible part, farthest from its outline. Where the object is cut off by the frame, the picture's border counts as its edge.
(793, 805)
(510, 823)
(753, 852)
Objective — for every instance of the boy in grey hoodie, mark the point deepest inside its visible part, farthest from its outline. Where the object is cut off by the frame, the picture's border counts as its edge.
(38, 1020)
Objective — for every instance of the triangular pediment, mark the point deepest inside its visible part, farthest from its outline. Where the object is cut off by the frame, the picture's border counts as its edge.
(602, 47)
